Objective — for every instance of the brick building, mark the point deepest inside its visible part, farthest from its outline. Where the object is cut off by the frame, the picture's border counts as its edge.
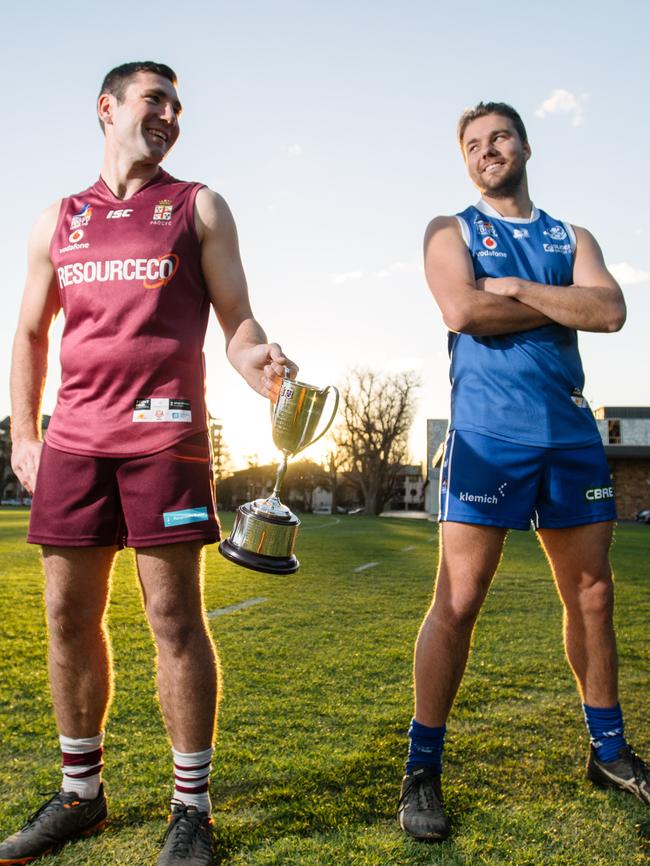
(625, 431)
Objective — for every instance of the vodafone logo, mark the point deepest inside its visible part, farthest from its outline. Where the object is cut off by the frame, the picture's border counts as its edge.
(75, 236)
(490, 243)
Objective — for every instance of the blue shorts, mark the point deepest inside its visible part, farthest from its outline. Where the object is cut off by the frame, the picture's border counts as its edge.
(497, 483)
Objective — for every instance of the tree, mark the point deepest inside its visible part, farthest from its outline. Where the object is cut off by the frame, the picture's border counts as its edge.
(332, 464)
(372, 436)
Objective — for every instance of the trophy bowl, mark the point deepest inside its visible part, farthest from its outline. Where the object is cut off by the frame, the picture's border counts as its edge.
(264, 533)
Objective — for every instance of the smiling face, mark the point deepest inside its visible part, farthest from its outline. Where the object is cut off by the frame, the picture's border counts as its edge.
(495, 155)
(143, 125)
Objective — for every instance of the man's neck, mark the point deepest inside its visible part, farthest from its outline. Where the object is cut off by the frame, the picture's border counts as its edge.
(517, 205)
(124, 178)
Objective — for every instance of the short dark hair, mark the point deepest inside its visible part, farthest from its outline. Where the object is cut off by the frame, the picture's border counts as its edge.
(116, 81)
(485, 108)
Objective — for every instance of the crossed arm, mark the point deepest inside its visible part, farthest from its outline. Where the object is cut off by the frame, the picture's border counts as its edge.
(494, 306)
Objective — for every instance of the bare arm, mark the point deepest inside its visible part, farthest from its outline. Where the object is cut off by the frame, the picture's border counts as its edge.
(39, 307)
(466, 309)
(594, 303)
(262, 364)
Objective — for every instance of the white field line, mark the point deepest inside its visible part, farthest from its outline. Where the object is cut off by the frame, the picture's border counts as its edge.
(331, 522)
(373, 564)
(221, 611)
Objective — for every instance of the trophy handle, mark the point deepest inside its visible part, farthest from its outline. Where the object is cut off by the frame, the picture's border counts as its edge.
(330, 388)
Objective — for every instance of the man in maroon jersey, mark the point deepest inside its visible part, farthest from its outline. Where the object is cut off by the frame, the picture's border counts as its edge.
(135, 261)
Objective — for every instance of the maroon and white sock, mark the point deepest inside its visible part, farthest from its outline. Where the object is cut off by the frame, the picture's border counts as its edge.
(192, 778)
(82, 764)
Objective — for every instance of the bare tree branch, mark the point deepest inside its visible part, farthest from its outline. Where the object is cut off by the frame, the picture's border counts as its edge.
(372, 434)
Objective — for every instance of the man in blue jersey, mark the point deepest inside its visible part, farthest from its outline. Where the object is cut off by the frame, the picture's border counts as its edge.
(514, 285)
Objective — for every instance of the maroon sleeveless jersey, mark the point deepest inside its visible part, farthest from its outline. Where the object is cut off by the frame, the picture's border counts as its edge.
(136, 311)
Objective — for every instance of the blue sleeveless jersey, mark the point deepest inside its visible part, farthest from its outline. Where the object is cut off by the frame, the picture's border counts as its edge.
(524, 387)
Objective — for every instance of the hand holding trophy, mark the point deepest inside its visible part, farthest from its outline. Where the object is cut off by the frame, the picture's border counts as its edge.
(264, 533)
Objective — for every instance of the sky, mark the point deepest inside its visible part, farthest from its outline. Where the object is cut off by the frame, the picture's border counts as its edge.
(330, 130)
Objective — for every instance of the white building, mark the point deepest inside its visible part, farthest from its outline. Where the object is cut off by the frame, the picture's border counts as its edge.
(436, 432)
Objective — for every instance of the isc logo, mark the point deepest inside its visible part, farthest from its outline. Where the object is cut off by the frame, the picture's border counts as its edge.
(119, 214)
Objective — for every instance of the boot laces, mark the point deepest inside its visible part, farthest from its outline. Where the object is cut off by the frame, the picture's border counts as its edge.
(42, 811)
(185, 825)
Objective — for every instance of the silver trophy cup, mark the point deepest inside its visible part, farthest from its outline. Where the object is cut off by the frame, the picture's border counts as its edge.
(263, 536)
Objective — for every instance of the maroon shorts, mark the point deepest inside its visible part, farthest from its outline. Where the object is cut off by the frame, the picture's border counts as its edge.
(160, 498)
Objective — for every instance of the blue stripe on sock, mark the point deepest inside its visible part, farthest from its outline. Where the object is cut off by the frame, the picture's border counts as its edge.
(606, 729)
(426, 746)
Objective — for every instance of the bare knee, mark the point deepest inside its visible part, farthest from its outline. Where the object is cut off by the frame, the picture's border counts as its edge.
(458, 611)
(594, 599)
(76, 592)
(174, 630)
(73, 621)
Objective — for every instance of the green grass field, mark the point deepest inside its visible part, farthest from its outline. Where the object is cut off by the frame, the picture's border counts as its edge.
(317, 701)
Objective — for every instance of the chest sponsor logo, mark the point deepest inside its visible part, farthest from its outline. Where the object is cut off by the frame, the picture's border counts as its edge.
(152, 273)
(162, 212)
(74, 242)
(520, 234)
(556, 233)
(82, 218)
(483, 227)
(598, 494)
(122, 213)
(557, 248)
(489, 243)
(496, 253)
(152, 409)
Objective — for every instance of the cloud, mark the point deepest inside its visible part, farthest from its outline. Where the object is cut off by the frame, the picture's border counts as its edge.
(564, 102)
(294, 151)
(394, 268)
(339, 279)
(628, 275)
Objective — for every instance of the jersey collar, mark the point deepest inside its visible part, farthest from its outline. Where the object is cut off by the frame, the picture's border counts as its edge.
(488, 210)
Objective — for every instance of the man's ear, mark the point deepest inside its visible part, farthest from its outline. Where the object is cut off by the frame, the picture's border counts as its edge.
(105, 105)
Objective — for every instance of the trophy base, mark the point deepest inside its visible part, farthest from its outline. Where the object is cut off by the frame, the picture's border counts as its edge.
(262, 542)
(258, 561)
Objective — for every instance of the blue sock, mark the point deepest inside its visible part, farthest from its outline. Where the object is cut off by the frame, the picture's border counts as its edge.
(606, 731)
(426, 746)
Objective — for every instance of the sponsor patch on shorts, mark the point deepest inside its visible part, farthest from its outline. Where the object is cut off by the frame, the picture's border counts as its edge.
(596, 494)
(185, 515)
(161, 409)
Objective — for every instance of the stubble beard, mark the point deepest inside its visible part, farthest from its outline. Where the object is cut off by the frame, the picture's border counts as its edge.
(509, 186)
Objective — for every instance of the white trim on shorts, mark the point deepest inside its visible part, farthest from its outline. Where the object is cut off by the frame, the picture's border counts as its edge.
(451, 438)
